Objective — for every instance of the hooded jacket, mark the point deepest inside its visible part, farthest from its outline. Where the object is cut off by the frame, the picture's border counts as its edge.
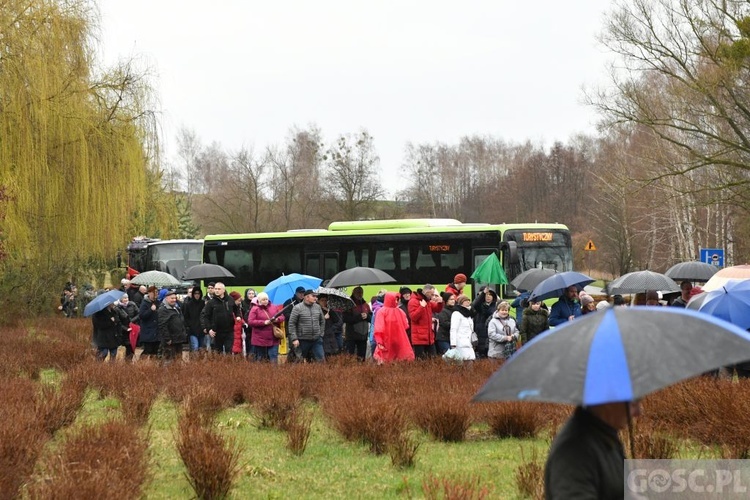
(390, 332)
(192, 313)
(421, 318)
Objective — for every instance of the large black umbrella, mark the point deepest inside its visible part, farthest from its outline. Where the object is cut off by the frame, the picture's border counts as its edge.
(692, 271)
(618, 355)
(642, 281)
(206, 272)
(529, 279)
(360, 276)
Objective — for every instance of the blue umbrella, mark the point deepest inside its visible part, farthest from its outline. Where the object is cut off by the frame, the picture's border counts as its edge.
(730, 302)
(101, 301)
(618, 355)
(555, 285)
(283, 288)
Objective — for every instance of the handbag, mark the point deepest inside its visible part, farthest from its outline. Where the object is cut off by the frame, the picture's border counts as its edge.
(278, 332)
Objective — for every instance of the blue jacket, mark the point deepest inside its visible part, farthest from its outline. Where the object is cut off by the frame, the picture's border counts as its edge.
(563, 309)
(149, 321)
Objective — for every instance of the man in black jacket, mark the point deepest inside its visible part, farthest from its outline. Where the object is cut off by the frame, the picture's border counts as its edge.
(586, 459)
(171, 327)
(217, 320)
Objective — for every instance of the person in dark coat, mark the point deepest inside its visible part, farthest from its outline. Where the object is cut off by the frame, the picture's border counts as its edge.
(484, 306)
(586, 459)
(403, 304)
(191, 313)
(149, 320)
(131, 311)
(218, 318)
(357, 319)
(535, 321)
(443, 335)
(333, 329)
(109, 326)
(172, 334)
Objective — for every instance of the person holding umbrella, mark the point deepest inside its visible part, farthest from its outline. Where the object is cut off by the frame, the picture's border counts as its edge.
(148, 338)
(567, 307)
(685, 289)
(172, 333)
(218, 318)
(109, 325)
(357, 320)
(306, 327)
(262, 318)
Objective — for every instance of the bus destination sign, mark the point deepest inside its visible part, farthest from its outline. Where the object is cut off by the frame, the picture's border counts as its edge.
(437, 248)
(531, 237)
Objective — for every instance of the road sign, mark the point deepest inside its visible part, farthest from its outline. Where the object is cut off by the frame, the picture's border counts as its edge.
(590, 246)
(713, 256)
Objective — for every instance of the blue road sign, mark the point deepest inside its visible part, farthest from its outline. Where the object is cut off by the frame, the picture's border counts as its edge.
(713, 256)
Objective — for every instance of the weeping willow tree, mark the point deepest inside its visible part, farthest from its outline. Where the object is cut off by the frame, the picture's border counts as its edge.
(78, 146)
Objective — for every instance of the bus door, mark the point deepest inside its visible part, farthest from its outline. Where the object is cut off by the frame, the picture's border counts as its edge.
(322, 265)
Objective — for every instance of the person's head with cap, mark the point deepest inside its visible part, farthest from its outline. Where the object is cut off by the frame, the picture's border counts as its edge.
(162, 294)
(210, 288)
(236, 297)
(602, 304)
(448, 298)
(618, 301)
(460, 281)
(405, 293)
(587, 303)
(170, 297)
(125, 282)
(300, 292)
(310, 297)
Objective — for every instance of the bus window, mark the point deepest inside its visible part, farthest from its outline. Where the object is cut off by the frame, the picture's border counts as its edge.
(330, 265)
(384, 258)
(357, 257)
(312, 264)
(278, 260)
(239, 261)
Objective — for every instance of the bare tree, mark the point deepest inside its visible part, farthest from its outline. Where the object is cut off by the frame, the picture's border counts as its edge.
(351, 175)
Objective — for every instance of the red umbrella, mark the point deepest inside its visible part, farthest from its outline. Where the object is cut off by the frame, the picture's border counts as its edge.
(135, 330)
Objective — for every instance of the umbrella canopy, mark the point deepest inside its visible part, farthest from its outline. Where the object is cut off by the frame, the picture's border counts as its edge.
(156, 278)
(723, 276)
(529, 279)
(490, 271)
(555, 285)
(282, 289)
(691, 271)
(730, 302)
(641, 281)
(696, 301)
(360, 276)
(337, 299)
(101, 301)
(618, 355)
(206, 272)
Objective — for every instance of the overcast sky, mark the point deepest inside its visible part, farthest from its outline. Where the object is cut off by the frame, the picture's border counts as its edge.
(243, 72)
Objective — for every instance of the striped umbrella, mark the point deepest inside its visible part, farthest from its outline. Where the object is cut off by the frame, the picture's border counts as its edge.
(723, 277)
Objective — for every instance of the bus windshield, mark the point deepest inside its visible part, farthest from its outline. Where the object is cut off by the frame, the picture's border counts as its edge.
(175, 258)
(549, 249)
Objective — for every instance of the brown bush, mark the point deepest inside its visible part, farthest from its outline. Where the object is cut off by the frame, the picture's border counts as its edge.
(530, 477)
(100, 461)
(298, 431)
(137, 401)
(402, 448)
(514, 419)
(58, 407)
(275, 400)
(445, 416)
(212, 461)
(443, 488)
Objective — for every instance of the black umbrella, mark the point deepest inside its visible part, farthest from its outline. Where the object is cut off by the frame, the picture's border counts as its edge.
(696, 301)
(206, 272)
(692, 271)
(529, 279)
(641, 281)
(360, 276)
(618, 355)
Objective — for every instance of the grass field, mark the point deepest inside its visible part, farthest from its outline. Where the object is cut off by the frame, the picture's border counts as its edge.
(71, 427)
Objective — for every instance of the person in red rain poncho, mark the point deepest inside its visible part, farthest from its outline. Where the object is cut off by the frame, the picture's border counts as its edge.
(390, 332)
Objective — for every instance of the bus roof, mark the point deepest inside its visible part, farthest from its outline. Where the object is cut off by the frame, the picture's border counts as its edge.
(396, 226)
(172, 242)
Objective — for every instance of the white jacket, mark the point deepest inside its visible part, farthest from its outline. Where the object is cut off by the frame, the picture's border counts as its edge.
(461, 330)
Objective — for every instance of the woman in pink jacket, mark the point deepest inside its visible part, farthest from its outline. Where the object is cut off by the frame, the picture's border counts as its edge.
(262, 319)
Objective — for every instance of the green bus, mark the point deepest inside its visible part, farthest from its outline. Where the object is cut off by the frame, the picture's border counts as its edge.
(413, 251)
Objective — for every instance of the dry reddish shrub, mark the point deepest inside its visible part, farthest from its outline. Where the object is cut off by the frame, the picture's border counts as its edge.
(58, 408)
(212, 461)
(514, 419)
(137, 401)
(530, 477)
(274, 401)
(445, 416)
(22, 436)
(203, 405)
(443, 488)
(364, 415)
(298, 431)
(108, 460)
(648, 443)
